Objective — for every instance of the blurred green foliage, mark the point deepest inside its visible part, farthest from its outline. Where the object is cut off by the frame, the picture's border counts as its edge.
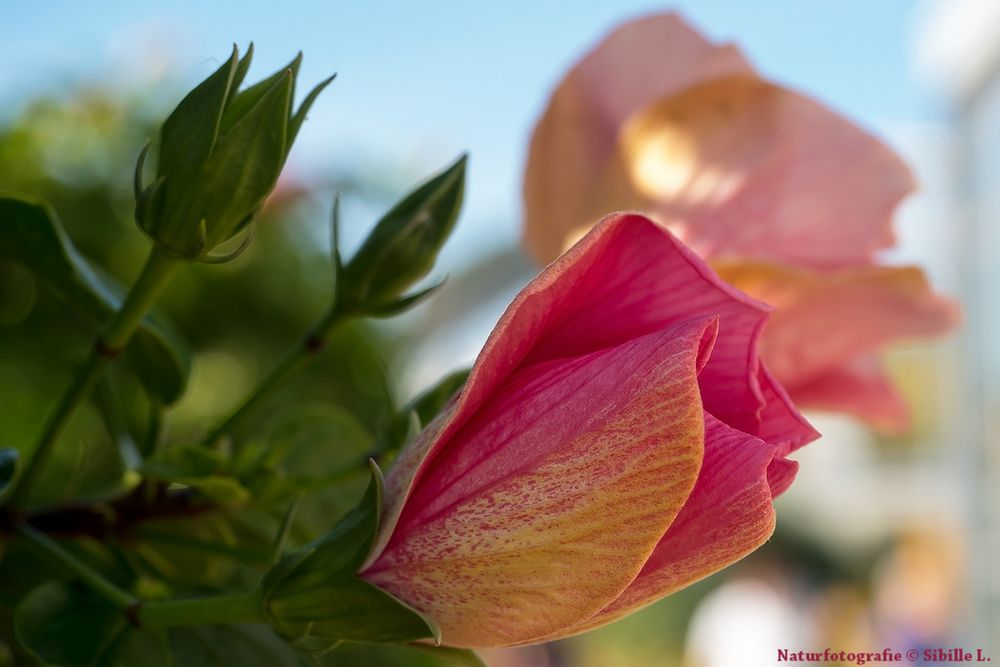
(77, 152)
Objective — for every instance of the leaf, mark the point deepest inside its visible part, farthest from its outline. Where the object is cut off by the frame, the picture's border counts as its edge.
(8, 470)
(31, 235)
(231, 646)
(66, 625)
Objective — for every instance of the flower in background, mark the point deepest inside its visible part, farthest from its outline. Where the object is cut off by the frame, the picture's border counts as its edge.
(617, 440)
(787, 199)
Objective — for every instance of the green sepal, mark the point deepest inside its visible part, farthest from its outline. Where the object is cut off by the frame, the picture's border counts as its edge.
(402, 304)
(32, 235)
(247, 161)
(300, 115)
(404, 244)
(189, 134)
(409, 420)
(242, 102)
(9, 460)
(314, 598)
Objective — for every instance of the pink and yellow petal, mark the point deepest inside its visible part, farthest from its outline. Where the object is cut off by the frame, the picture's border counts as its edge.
(548, 501)
(728, 515)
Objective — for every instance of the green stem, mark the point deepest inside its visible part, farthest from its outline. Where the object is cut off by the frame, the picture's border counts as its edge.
(92, 578)
(218, 610)
(112, 339)
(297, 357)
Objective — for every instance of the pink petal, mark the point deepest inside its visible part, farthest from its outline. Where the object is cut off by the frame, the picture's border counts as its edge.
(741, 167)
(728, 515)
(655, 118)
(828, 319)
(547, 502)
(860, 388)
(640, 62)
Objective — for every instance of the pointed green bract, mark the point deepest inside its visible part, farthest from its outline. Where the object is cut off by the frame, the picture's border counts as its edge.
(405, 243)
(189, 133)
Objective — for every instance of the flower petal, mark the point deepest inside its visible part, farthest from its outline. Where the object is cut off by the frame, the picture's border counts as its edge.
(548, 501)
(640, 62)
(827, 319)
(728, 515)
(860, 388)
(738, 166)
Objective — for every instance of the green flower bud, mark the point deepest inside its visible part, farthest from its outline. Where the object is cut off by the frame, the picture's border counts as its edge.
(220, 154)
(404, 245)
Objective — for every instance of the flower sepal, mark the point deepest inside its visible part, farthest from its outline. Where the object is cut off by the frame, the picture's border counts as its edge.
(314, 600)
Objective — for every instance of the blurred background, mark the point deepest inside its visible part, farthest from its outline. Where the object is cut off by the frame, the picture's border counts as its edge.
(882, 542)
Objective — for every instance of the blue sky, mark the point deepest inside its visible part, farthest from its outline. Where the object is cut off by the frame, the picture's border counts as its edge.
(420, 82)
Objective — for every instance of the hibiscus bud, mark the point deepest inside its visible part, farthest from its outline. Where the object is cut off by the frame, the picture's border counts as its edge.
(404, 245)
(616, 440)
(220, 154)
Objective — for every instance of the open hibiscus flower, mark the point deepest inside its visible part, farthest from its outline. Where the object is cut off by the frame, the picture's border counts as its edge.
(787, 199)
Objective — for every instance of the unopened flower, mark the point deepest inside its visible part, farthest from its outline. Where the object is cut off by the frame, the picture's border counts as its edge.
(220, 153)
(617, 439)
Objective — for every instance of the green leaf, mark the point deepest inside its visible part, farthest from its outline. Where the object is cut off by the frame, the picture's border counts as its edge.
(31, 235)
(66, 625)
(230, 646)
(8, 470)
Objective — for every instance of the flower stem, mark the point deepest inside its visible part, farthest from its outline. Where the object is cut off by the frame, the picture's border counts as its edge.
(110, 341)
(294, 359)
(218, 610)
(92, 578)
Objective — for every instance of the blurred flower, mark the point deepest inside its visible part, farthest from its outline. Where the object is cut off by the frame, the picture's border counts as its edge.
(658, 119)
(617, 440)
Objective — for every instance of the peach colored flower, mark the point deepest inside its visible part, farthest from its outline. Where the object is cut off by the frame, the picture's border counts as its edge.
(618, 439)
(656, 118)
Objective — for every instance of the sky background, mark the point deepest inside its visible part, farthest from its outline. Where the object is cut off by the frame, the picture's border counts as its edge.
(420, 82)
